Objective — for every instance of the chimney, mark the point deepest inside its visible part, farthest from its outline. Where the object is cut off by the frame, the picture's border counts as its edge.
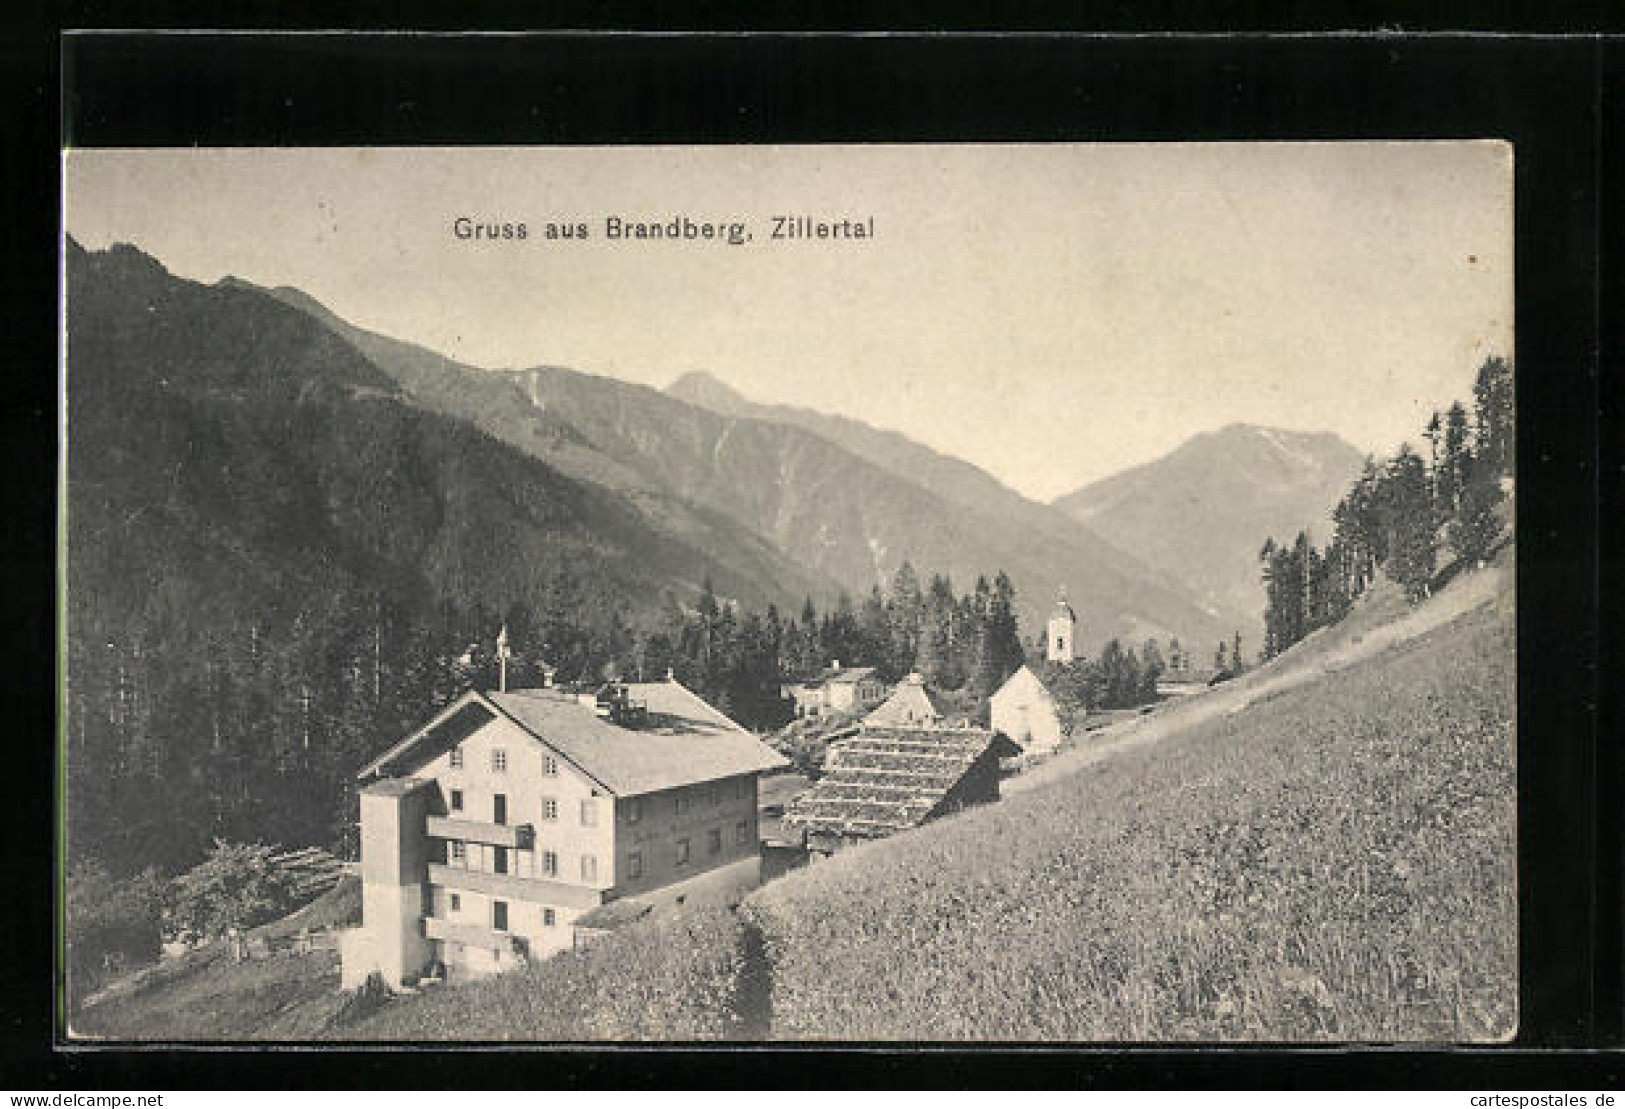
(835, 664)
(671, 675)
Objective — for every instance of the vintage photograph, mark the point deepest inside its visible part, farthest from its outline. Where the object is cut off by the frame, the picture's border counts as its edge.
(1039, 593)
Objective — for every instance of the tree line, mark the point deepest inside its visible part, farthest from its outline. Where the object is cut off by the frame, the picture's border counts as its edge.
(1394, 516)
(738, 660)
(251, 729)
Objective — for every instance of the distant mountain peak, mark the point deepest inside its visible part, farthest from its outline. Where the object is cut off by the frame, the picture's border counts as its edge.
(1200, 512)
(706, 390)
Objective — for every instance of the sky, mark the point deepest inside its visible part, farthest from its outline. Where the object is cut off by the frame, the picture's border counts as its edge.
(1051, 313)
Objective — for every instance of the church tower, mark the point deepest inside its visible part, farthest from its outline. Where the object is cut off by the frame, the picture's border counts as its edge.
(1060, 645)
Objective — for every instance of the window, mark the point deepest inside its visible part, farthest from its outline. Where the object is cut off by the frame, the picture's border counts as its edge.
(456, 902)
(550, 766)
(589, 812)
(499, 808)
(499, 761)
(499, 916)
(682, 851)
(713, 841)
(634, 810)
(634, 865)
(741, 788)
(459, 851)
(742, 832)
(682, 802)
(499, 860)
(550, 809)
(456, 758)
(549, 918)
(589, 868)
(550, 863)
(456, 800)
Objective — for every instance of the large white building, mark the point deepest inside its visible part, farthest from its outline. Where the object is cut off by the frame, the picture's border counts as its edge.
(491, 833)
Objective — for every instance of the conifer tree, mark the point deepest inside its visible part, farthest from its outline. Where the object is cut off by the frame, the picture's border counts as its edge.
(1492, 401)
(1474, 532)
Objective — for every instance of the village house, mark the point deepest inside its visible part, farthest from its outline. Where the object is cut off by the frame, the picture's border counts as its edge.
(911, 705)
(1025, 711)
(490, 835)
(884, 780)
(1185, 681)
(849, 689)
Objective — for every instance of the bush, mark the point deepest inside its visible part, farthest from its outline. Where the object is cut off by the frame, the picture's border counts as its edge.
(238, 885)
(112, 924)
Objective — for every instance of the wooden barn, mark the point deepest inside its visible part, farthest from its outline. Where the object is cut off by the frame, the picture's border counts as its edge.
(885, 780)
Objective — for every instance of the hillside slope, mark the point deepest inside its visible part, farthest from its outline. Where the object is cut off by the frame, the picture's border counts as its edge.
(1332, 860)
(745, 565)
(221, 419)
(1201, 513)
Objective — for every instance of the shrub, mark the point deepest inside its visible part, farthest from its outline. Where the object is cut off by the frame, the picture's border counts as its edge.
(238, 885)
(112, 924)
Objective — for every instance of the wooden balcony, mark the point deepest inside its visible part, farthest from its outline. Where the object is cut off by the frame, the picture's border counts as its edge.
(535, 890)
(476, 831)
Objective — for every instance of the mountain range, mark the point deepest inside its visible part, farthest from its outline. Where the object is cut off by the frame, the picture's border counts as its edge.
(846, 509)
(252, 437)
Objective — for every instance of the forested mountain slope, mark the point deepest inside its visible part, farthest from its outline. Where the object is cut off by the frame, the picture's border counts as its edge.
(270, 546)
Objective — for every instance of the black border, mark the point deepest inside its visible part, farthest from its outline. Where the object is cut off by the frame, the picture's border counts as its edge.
(1544, 95)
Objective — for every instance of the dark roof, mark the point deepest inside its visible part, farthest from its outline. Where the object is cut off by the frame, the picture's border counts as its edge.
(845, 675)
(396, 787)
(884, 780)
(682, 740)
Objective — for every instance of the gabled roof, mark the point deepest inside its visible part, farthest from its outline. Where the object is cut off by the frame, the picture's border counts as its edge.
(1023, 675)
(910, 703)
(884, 780)
(684, 740)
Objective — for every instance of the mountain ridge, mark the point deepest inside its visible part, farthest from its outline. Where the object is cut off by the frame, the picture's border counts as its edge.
(963, 485)
(828, 510)
(1201, 512)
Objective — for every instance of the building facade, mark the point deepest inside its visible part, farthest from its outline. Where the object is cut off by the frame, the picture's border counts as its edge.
(1024, 710)
(848, 689)
(489, 832)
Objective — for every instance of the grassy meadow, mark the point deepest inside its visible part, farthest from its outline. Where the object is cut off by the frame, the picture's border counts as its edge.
(1336, 863)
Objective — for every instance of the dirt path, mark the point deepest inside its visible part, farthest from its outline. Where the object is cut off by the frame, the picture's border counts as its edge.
(1325, 652)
